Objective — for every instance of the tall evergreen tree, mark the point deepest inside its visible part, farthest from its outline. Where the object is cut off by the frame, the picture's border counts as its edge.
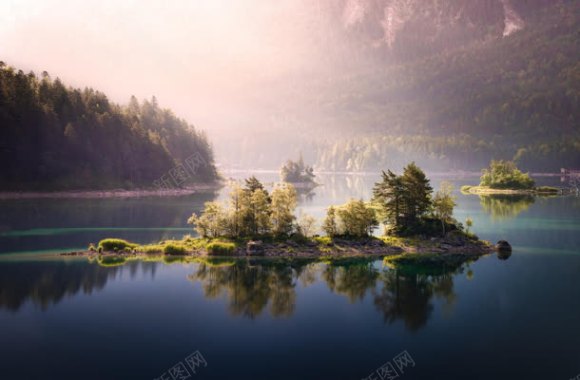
(417, 192)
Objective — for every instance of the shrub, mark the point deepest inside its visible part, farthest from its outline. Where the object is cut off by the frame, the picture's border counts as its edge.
(174, 249)
(465, 188)
(220, 248)
(323, 240)
(505, 175)
(92, 247)
(115, 245)
(547, 190)
(151, 248)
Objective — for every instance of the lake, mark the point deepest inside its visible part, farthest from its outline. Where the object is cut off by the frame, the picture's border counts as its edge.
(496, 318)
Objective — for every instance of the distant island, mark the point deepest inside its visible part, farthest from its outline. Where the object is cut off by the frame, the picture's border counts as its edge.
(419, 227)
(503, 177)
(298, 173)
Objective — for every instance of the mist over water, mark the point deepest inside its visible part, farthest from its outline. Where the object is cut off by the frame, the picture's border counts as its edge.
(268, 80)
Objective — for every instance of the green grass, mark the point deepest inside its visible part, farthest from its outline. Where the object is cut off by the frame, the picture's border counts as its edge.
(220, 248)
(174, 249)
(547, 190)
(150, 248)
(115, 245)
(324, 240)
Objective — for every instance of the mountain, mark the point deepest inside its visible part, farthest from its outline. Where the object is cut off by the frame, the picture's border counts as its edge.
(57, 137)
(447, 83)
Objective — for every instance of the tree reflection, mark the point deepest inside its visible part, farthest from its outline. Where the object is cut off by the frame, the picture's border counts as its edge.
(250, 288)
(48, 282)
(505, 206)
(407, 296)
(352, 280)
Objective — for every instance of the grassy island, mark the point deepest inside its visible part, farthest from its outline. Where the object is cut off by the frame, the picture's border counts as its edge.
(503, 177)
(418, 227)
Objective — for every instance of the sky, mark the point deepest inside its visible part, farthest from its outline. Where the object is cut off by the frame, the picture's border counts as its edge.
(202, 58)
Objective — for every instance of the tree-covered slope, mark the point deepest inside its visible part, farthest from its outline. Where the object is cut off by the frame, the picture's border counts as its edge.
(55, 137)
(450, 84)
(513, 96)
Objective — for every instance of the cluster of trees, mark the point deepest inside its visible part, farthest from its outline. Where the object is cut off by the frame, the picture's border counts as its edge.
(353, 219)
(250, 212)
(405, 202)
(297, 172)
(505, 175)
(54, 136)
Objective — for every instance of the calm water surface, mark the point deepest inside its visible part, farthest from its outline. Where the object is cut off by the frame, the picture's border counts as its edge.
(493, 319)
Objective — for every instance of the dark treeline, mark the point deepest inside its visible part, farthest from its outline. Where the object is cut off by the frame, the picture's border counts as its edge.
(53, 137)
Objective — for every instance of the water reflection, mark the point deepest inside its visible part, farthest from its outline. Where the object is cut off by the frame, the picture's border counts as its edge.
(47, 283)
(397, 294)
(408, 296)
(251, 287)
(351, 280)
(505, 206)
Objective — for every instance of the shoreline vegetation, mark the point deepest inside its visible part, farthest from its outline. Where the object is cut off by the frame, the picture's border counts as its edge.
(418, 228)
(503, 177)
(112, 193)
(541, 191)
(453, 249)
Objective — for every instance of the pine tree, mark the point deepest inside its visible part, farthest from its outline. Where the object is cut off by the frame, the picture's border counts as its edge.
(389, 194)
(417, 195)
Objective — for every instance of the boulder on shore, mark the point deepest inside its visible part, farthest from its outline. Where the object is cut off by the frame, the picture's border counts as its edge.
(255, 248)
(503, 246)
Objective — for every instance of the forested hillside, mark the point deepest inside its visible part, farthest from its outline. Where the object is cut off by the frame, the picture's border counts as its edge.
(448, 84)
(514, 97)
(55, 137)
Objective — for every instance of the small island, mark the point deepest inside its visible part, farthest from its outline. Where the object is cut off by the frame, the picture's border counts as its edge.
(418, 228)
(503, 177)
(300, 175)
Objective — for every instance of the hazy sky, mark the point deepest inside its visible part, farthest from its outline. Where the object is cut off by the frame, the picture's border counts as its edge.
(199, 57)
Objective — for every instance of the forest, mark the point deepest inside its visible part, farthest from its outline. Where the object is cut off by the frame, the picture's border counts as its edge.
(57, 137)
(488, 95)
(514, 97)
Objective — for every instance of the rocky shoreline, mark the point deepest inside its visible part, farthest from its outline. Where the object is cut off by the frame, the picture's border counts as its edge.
(483, 190)
(112, 193)
(450, 247)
